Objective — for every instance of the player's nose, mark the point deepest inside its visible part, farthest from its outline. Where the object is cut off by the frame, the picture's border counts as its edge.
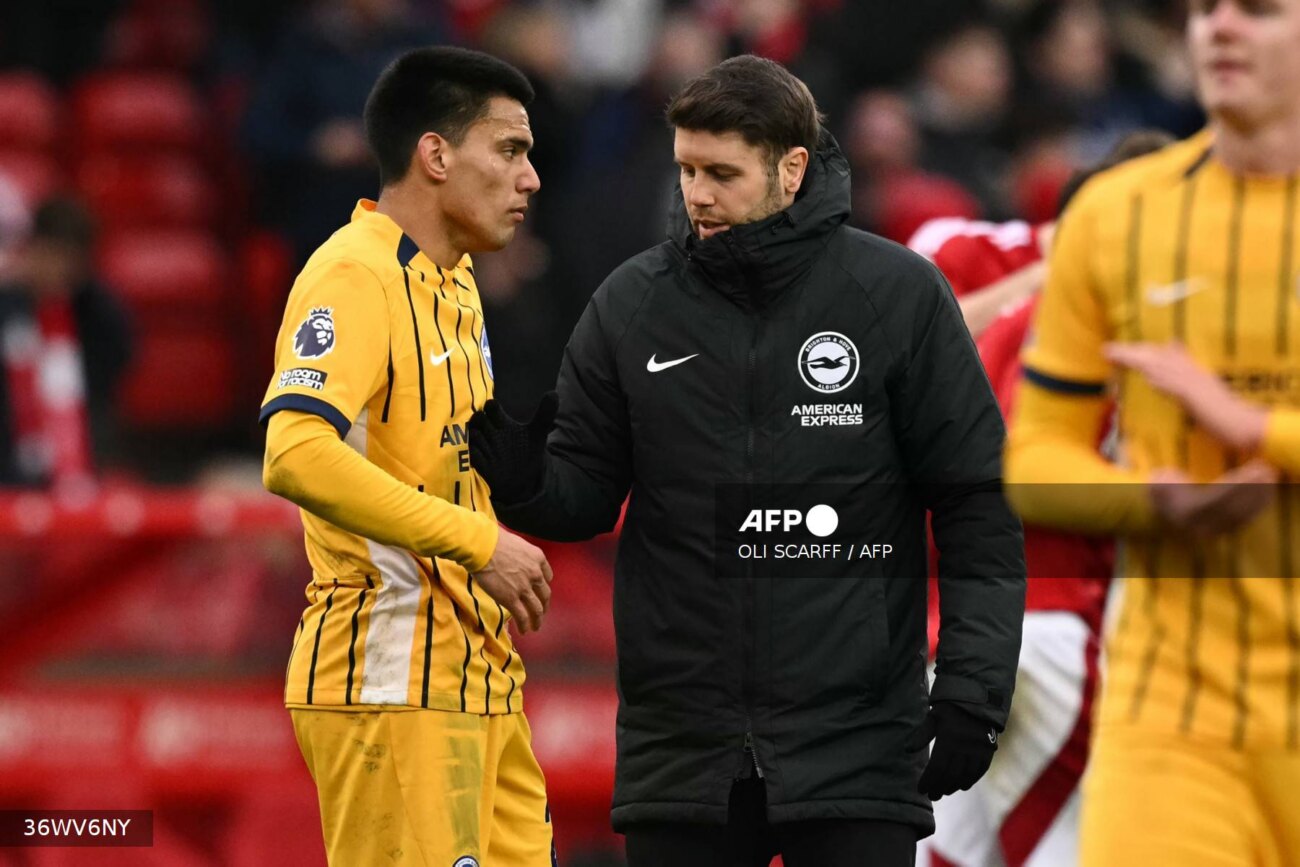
(529, 182)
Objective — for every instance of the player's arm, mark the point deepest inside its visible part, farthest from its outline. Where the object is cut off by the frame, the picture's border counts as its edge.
(980, 307)
(565, 482)
(950, 434)
(331, 358)
(307, 464)
(1055, 476)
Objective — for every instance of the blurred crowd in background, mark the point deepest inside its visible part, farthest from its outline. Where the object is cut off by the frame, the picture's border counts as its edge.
(166, 166)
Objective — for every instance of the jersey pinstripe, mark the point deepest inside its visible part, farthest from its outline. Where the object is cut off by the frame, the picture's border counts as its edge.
(1174, 246)
(391, 349)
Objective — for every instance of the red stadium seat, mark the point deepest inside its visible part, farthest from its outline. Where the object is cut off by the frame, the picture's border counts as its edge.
(33, 174)
(29, 112)
(165, 274)
(182, 379)
(131, 112)
(264, 277)
(133, 192)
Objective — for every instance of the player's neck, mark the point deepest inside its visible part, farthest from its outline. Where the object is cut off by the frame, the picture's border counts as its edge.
(1267, 149)
(422, 223)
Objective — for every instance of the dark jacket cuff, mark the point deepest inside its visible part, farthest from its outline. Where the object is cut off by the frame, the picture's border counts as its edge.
(988, 704)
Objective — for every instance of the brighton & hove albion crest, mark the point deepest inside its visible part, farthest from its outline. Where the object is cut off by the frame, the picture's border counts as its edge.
(315, 336)
(828, 362)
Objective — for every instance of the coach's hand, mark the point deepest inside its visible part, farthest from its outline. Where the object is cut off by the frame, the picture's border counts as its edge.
(519, 578)
(963, 749)
(509, 455)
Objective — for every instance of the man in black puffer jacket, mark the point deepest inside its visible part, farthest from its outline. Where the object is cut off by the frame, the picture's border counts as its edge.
(785, 398)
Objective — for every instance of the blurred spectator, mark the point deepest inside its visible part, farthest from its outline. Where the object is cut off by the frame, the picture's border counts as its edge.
(1042, 165)
(613, 39)
(892, 196)
(776, 29)
(303, 128)
(15, 221)
(872, 44)
(962, 99)
(65, 343)
(1073, 75)
(622, 204)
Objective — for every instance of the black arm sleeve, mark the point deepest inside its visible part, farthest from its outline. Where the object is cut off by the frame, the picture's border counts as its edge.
(951, 433)
(588, 460)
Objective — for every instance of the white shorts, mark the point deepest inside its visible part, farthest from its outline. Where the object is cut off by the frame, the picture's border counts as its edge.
(1025, 811)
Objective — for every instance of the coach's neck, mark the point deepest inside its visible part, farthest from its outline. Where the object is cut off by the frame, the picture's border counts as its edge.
(415, 209)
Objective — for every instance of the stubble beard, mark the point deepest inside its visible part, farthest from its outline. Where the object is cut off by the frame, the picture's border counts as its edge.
(772, 199)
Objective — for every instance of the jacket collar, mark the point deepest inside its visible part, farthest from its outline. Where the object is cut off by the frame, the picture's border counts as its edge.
(754, 263)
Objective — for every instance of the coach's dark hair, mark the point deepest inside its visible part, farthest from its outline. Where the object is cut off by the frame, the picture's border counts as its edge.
(753, 96)
(440, 89)
(1136, 144)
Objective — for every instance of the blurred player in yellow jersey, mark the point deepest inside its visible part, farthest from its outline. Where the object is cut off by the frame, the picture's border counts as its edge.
(1173, 282)
(403, 684)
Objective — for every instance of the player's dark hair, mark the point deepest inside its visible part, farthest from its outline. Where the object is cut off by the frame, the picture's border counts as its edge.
(440, 89)
(1136, 144)
(753, 96)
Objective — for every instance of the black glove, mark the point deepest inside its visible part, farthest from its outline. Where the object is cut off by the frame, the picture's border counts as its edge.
(510, 456)
(963, 749)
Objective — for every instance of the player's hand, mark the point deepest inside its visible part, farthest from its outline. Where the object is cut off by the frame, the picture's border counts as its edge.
(1220, 506)
(963, 749)
(519, 578)
(1171, 369)
(509, 455)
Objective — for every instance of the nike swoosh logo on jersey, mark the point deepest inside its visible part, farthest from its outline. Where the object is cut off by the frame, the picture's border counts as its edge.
(439, 359)
(656, 366)
(1163, 296)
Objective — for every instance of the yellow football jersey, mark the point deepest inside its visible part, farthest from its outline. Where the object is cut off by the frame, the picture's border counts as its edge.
(392, 351)
(1173, 247)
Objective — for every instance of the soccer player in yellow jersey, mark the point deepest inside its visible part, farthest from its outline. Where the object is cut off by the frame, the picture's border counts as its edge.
(403, 684)
(1173, 285)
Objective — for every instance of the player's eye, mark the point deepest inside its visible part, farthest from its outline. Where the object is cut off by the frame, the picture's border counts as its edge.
(1259, 8)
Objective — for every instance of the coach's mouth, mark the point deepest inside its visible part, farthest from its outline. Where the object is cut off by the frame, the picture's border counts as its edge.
(518, 213)
(709, 228)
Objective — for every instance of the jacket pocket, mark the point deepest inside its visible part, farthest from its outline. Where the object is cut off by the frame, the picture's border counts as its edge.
(876, 640)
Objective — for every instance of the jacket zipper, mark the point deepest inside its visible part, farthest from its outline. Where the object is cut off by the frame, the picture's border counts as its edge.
(749, 749)
(747, 601)
(751, 366)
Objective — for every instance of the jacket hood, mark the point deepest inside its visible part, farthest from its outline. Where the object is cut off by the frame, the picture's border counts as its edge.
(755, 262)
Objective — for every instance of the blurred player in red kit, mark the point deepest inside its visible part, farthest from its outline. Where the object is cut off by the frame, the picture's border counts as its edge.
(1026, 810)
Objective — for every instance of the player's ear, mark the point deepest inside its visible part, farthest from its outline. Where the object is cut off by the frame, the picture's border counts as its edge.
(432, 156)
(791, 168)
